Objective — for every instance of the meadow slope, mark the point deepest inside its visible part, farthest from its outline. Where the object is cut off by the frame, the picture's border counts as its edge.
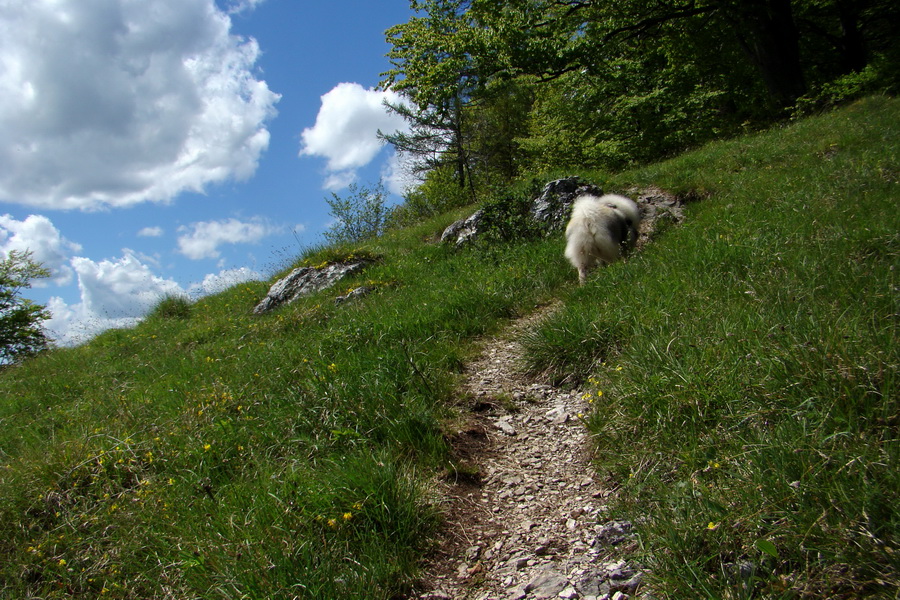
(747, 361)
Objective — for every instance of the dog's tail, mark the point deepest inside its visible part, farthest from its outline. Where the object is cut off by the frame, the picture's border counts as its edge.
(626, 206)
(630, 217)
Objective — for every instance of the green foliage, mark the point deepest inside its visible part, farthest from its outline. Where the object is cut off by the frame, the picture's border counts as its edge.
(21, 331)
(506, 217)
(434, 69)
(551, 354)
(437, 194)
(359, 216)
(499, 88)
(839, 91)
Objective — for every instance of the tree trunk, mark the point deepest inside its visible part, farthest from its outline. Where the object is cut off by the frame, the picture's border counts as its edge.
(768, 34)
(852, 44)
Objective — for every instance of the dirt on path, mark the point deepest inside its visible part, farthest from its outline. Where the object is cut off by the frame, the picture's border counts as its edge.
(525, 515)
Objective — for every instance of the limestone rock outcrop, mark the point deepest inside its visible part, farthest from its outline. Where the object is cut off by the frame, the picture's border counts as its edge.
(307, 280)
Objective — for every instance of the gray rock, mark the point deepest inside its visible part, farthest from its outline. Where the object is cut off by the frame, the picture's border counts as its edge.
(620, 571)
(473, 552)
(463, 230)
(554, 205)
(568, 593)
(557, 415)
(628, 586)
(547, 585)
(550, 210)
(614, 532)
(506, 427)
(307, 280)
(743, 570)
(592, 583)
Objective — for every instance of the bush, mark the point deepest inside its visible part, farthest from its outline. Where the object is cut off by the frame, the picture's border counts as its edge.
(507, 218)
(438, 194)
(360, 216)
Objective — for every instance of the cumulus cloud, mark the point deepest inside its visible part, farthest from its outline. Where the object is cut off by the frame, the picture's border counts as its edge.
(38, 235)
(150, 232)
(119, 293)
(118, 102)
(202, 240)
(215, 283)
(346, 130)
(240, 6)
(114, 293)
(122, 289)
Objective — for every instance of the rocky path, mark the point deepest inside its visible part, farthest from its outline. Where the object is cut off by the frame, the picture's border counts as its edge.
(526, 517)
(525, 514)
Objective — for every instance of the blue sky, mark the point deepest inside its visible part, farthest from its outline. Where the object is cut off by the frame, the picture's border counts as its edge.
(151, 147)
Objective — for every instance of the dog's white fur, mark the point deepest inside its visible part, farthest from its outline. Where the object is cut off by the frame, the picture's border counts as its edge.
(600, 231)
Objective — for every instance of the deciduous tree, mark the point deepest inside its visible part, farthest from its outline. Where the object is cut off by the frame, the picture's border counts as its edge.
(21, 331)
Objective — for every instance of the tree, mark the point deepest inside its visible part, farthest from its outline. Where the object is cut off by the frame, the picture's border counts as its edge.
(359, 216)
(21, 333)
(498, 87)
(434, 67)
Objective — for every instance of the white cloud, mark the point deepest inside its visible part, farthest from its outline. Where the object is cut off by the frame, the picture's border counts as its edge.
(238, 6)
(38, 235)
(125, 288)
(399, 174)
(340, 180)
(150, 232)
(215, 283)
(202, 240)
(114, 293)
(119, 293)
(346, 129)
(118, 102)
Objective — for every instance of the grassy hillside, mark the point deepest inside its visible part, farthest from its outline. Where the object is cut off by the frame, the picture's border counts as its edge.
(747, 362)
(749, 406)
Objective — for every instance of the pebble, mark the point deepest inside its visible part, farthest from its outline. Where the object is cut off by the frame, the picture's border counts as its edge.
(506, 427)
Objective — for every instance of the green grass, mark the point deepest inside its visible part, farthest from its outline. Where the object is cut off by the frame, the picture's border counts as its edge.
(212, 453)
(749, 411)
(747, 359)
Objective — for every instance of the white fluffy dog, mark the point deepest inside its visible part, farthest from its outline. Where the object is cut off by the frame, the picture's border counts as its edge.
(600, 231)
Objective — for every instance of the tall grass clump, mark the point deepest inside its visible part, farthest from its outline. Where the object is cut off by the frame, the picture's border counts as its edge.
(749, 410)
